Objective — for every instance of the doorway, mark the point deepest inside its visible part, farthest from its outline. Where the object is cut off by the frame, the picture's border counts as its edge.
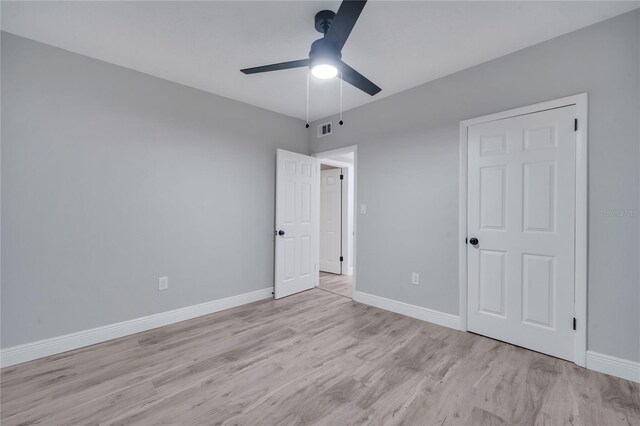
(331, 226)
(523, 227)
(337, 221)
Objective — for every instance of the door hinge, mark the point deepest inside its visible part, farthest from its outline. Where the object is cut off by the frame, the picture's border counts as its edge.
(575, 124)
(574, 323)
(341, 177)
(341, 259)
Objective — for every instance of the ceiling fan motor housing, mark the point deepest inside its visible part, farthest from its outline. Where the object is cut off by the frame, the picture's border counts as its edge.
(322, 52)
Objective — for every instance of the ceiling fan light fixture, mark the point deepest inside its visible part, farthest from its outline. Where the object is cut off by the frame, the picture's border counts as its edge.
(325, 55)
(324, 71)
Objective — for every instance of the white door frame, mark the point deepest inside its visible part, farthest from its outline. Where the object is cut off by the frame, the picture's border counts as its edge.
(323, 157)
(580, 285)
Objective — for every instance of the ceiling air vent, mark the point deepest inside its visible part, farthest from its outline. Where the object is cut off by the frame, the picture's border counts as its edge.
(324, 129)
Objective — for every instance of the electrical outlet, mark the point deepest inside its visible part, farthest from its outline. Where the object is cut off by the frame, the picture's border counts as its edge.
(363, 208)
(415, 278)
(163, 283)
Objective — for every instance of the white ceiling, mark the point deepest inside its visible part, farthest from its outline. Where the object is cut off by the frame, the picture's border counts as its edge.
(398, 45)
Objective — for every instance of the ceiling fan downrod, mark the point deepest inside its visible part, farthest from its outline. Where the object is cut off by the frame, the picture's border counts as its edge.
(307, 125)
(323, 20)
(341, 122)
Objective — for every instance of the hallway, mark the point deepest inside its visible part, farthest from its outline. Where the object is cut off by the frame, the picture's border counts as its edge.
(336, 284)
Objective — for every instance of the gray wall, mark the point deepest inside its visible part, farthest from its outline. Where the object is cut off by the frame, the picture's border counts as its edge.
(408, 172)
(112, 178)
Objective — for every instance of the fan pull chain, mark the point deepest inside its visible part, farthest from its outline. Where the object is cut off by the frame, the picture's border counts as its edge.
(341, 122)
(307, 125)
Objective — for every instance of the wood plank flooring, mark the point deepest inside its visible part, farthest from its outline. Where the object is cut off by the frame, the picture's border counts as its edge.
(338, 284)
(311, 358)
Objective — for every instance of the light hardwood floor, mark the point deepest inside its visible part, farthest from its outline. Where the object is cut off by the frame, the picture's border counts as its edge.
(311, 358)
(338, 284)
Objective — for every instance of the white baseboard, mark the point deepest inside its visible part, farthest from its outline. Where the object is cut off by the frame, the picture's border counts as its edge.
(623, 368)
(55, 345)
(424, 314)
(618, 367)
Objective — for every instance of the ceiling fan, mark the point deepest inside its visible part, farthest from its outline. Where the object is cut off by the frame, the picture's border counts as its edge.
(325, 57)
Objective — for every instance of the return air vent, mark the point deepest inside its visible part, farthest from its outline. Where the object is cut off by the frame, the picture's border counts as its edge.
(324, 129)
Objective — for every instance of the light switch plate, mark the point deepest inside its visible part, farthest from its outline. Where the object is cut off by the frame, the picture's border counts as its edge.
(163, 283)
(363, 208)
(415, 278)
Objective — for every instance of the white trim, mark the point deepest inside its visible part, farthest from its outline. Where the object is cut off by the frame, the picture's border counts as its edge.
(334, 163)
(344, 220)
(462, 227)
(623, 368)
(580, 302)
(55, 345)
(542, 106)
(424, 314)
(582, 229)
(336, 153)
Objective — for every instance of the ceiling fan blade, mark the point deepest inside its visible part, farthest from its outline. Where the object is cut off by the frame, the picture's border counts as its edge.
(356, 79)
(277, 67)
(343, 22)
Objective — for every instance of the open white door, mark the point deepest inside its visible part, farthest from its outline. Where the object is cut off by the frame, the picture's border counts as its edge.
(296, 263)
(331, 220)
(521, 227)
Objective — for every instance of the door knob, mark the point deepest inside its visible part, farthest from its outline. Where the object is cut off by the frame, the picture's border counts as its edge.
(281, 232)
(473, 241)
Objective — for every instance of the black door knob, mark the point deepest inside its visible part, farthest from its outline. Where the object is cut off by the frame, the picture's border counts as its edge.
(473, 241)
(281, 232)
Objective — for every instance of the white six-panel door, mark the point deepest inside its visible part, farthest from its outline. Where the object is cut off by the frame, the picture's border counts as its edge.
(521, 197)
(296, 223)
(330, 220)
